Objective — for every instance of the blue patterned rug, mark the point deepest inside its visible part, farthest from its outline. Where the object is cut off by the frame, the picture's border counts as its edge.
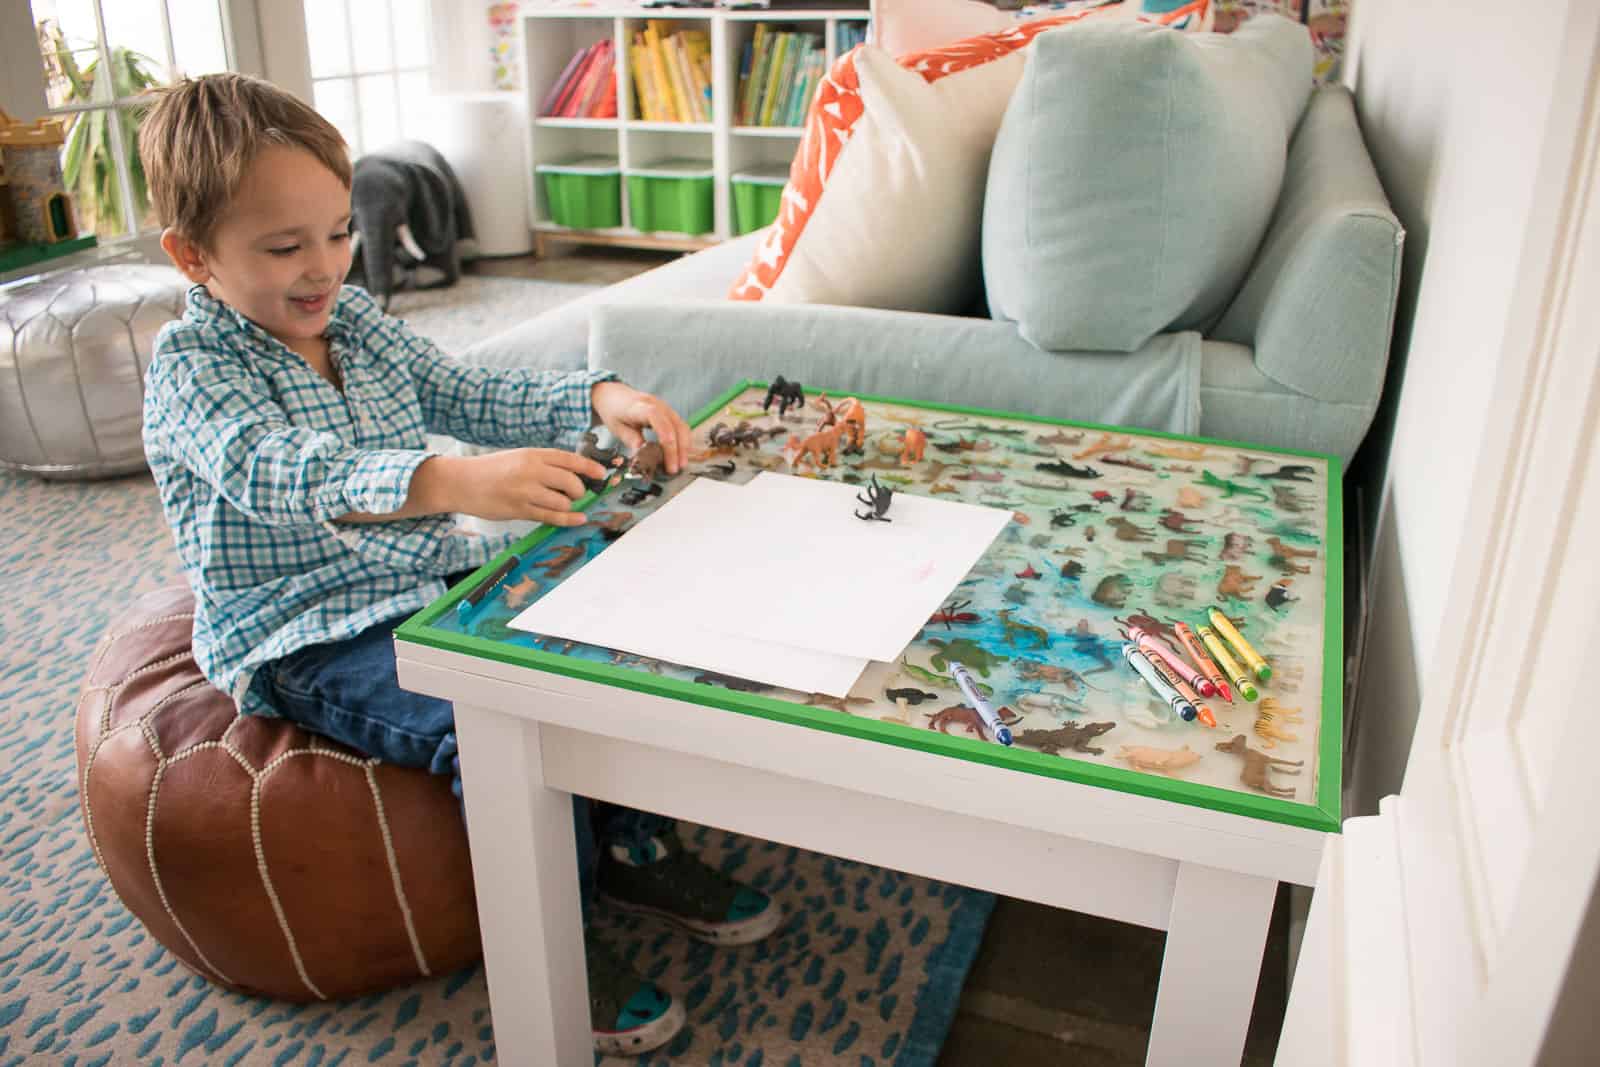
(866, 971)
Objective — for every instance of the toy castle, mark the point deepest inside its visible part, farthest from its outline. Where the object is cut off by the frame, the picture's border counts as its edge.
(34, 205)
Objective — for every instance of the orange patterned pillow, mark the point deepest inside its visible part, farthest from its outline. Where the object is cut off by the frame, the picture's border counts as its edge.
(884, 201)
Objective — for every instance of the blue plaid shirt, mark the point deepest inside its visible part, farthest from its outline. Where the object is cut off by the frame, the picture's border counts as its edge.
(255, 455)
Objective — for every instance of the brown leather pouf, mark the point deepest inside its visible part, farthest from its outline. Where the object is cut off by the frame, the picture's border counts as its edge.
(270, 860)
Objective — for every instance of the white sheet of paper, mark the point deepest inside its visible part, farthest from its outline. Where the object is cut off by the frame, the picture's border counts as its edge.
(645, 595)
(835, 583)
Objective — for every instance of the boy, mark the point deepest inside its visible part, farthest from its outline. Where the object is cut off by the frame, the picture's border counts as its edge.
(284, 422)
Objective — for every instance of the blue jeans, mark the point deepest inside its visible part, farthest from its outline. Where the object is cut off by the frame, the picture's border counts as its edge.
(348, 691)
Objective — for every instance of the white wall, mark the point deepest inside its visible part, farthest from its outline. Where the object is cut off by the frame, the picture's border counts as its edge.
(1452, 99)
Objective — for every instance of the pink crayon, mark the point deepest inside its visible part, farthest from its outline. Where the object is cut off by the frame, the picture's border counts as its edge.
(1151, 647)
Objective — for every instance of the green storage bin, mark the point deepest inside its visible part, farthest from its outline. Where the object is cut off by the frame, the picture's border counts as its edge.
(757, 195)
(584, 193)
(674, 195)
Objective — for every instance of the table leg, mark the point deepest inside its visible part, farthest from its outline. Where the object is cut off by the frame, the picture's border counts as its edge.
(524, 865)
(1212, 963)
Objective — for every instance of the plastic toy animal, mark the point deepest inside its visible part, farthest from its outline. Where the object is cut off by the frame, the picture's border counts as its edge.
(966, 652)
(648, 461)
(1293, 472)
(911, 696)
(877, 498)
(1235, 584)
(961, 715)
(518, 594)
(822, 448)
(606, 457)
(1067, 470)
(1257, 766)
(728, 681)
(1230, 489)
(1107, 443)
(1054, 703)
(913, 444)
(1179, 551)
(1072, 736)
(1235, 546)
(953, 611)
(1270, 717)
(1128, 531)
(1112, 590)
(1174, 590)
(1289, 551)
(1032, 670)
(635, 495)
(1278, 595)
(1060, 437)
(1164, 760)
(559, 560)
(1127, 461)
(853, 419)
(1132, 499)
(1288, 499)
(719, 471)
(1177, 521)
(786, 393)
(1012, 627)
(1288, 566)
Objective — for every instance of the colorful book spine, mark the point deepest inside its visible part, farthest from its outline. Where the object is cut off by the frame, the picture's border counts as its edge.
(547, 105)
(769, 93)
(564, 103)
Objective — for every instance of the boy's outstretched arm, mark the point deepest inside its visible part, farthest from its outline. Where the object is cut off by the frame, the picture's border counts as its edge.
(537, 484)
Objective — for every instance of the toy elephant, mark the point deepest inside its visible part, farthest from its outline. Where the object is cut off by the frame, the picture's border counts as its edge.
(409, 211)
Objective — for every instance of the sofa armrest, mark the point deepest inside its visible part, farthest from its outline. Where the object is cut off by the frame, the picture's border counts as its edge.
(1318, 304)
(688, 353)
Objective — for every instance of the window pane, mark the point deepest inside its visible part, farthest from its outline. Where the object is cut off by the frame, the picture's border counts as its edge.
(370, 22)
(330, 43)
(379, 119)
(71, 78)
(90, 166)
(411, 33)
(138, 44)
(68, 49)
(413, 95)
(335, 100)
(197, 36)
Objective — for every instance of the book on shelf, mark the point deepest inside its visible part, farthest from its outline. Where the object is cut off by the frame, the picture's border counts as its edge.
(548, 104)
(586, 87)
(672, 73)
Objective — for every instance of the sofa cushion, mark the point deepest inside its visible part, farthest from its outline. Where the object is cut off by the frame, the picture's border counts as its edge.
(1318, 304)
(1133, 176)
(881, 205)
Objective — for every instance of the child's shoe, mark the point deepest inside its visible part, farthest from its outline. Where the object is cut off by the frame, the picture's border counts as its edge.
(628, 1014)
(656, 876)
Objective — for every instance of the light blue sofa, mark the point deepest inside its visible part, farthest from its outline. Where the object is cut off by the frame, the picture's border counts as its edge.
(1295, 358)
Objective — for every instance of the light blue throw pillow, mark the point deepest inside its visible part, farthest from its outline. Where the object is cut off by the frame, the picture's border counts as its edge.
(1134, 175)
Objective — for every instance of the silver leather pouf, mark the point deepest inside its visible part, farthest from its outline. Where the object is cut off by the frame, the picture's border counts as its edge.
(73, 351)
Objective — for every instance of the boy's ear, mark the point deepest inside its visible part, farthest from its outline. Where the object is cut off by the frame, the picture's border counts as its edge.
(185, 255)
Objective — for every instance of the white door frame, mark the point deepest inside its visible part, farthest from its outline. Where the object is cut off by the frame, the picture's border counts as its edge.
(1445, 928)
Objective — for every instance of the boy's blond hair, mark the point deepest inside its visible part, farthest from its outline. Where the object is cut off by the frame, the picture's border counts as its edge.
(201, 135)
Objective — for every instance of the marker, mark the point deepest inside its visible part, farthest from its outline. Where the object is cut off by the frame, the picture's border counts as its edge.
(1174, 662)
(1147, 670)
(476, 594)
(1241, 680)
(1251, 657)
(969, 689)
(1191, 645)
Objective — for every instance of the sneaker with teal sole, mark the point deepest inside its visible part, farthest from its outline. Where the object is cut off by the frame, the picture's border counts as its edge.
(627, 1013)
(655, 876)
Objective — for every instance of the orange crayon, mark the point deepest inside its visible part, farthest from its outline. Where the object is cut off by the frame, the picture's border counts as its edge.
(1191, 645)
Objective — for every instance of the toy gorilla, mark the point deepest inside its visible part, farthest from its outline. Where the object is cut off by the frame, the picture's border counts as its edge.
(409, 211)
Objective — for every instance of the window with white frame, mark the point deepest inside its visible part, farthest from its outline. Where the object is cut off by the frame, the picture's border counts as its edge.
(97, 57)
(370, 64)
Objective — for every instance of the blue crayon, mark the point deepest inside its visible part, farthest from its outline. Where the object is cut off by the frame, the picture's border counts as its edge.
(1157, 680)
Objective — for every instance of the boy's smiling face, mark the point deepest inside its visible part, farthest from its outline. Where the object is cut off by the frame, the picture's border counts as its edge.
(281, 250)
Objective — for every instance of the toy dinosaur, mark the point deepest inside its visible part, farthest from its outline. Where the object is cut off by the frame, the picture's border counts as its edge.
(1230, 489)
(1012, 627)
(966, 652)
(1257, 766)
(1069, 737)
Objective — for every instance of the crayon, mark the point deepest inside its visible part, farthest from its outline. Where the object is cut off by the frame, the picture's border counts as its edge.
(1251, 657)
(1191, 645)
(1175, 663)
(1241, 680)
(1152, 676)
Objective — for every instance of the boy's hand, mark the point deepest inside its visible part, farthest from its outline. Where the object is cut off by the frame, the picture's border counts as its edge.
(626, 412)
(521, 483)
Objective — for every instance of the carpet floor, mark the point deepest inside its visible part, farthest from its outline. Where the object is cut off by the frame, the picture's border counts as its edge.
(867, 969)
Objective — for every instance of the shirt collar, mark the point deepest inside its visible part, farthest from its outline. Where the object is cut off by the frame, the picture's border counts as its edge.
(203, 309)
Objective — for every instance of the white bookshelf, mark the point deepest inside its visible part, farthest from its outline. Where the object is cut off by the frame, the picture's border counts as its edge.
(550, 36)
